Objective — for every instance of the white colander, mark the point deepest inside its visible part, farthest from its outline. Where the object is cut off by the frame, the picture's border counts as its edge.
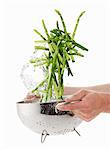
(30, 115)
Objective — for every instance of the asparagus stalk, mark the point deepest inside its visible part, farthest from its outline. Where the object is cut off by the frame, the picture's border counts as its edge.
(77, 22)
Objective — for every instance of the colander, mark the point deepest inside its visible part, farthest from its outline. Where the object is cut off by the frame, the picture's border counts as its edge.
(30, 115)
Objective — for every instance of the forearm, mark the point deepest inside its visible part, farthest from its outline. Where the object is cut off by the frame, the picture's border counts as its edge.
(100, 88)
(71, 90)
(97, 88)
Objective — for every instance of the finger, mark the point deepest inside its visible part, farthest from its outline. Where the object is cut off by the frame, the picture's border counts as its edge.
(85, 116)
(78, 112)
(30, 95)
(70, 106)
(77, 96)
(82, 116)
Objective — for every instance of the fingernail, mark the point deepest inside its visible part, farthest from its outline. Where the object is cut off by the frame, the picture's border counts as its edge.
(59, 106)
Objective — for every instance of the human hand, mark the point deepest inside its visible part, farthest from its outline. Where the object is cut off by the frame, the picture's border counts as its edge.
(31, 97)
(92, 103)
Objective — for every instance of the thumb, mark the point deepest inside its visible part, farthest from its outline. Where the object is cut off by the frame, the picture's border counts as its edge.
(77, 96)
(71, 106)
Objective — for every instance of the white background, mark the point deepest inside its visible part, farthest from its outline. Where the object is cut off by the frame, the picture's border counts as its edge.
(20, 18)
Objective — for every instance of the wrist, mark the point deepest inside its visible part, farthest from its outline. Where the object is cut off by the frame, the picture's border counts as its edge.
(105, 97)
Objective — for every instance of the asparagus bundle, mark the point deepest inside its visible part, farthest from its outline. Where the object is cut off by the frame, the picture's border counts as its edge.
(60, 49)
